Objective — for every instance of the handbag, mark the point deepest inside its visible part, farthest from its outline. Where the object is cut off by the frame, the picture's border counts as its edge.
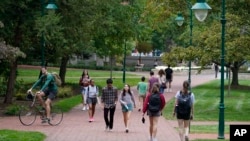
(163, 85)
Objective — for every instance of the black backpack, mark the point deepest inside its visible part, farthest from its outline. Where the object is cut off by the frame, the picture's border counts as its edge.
(184, 103)
(154, 103)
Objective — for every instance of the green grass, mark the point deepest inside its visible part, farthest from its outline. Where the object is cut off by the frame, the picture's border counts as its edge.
(11, 135)
(213, 129)
(207, 103)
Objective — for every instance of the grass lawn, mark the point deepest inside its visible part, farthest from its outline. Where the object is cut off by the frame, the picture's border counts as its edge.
(11, 135)
(207, 99)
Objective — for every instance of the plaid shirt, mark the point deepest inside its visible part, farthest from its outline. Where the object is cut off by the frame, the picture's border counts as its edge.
(109, 96)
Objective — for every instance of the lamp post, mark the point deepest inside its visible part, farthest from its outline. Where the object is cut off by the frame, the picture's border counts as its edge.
(50, 6)
(201, 6)
(221, 114)
(124, 63)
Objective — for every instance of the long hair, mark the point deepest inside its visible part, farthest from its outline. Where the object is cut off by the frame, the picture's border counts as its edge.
(83, 73)
(129, 91)
(155, 88)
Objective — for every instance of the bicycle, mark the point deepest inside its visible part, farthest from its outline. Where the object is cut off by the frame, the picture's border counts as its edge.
(28, 113)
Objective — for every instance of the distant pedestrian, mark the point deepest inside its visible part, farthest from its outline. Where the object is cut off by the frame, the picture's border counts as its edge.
(156, 63)
(92, 93)
(152, 79)
(84, 83)
(109, 99)
(142, 88)
(127, 101)
(216, 69)
(162, 80)
(184, 110)
(154, 105)
(169, 78)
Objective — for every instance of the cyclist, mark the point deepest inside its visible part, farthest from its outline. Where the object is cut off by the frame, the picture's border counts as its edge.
(48, 89)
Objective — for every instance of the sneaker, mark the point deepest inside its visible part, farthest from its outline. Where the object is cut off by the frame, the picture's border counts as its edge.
(84, 108)
(92, 119)
(139, 110)
(110, 130)
(87, 107)
(126, 130)
(45, 120)
(167, 90)
(186, 138)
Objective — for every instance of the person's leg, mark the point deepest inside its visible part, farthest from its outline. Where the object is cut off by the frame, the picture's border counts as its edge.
(151, 127)
(181, 128)
(90, 110)
(140, 103)
(111, 116)
(186, 129)
(170, 90)
(85, 101)
(40, 99)
(155, 122)
(93, 111)
(47, 107)
(105, 115)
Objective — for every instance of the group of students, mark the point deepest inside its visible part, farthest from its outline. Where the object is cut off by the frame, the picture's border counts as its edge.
(146, 90)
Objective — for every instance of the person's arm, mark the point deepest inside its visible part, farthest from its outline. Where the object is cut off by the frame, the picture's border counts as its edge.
(163, 102)
(103, 98)
(175, 104)
(192, 106)
(145, 105)
(36, 83)
(116, 96)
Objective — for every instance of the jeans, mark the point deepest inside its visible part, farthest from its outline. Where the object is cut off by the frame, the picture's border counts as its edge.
(109, 121)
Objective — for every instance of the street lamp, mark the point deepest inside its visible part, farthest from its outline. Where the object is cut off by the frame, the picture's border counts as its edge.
(124, 62)
(50, 6)
(221, 114)
(202, 8)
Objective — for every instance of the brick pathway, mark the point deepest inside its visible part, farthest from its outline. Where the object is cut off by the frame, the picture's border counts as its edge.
(75, 125)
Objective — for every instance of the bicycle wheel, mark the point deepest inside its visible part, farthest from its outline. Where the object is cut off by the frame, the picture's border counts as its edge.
(27, 115)
(56, 116)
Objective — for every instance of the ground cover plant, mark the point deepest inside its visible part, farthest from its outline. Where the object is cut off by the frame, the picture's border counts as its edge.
(11, 135)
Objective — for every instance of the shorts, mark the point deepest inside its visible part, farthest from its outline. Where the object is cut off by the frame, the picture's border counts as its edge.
(168, 80)
(128, 108)
(183, 116)
(157, 114)
(91, 100)
(50, 94)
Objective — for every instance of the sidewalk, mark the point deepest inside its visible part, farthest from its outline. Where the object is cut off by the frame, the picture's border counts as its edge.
(75, 125)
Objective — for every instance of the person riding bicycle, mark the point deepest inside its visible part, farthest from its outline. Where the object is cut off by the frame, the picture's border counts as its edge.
(48, 89)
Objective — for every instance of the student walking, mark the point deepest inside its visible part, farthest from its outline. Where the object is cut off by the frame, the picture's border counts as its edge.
(154, 105)
(127, 101)
(84, 83)
(162, 80)
(169, 78)
(152, 79)
(92, 93)
(184, 110)
(109, 99)
(142, 88)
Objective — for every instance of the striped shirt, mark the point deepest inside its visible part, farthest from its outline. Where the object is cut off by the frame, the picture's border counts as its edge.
(109, 96)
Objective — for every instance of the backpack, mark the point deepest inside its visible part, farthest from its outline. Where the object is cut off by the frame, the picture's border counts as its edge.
(154, 103)
(57, 78)
(184, 103)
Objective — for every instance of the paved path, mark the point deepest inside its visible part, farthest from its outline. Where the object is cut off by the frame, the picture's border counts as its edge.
(75, 125)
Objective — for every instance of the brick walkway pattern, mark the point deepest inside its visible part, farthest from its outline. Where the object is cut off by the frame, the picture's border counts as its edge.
(75, 125)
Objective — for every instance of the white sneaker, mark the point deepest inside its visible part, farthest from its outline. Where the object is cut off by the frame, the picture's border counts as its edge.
(87, 107)
(84, 108)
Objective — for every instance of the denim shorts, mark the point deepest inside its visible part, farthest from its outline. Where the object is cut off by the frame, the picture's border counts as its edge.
(128, 108)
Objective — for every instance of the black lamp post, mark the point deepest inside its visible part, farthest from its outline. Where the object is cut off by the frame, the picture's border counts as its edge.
(202, 7)
(51, 6)
(221, 114)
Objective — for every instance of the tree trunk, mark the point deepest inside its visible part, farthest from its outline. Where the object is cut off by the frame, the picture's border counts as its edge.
(11, 83)
(63, 69)
(235, 79)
